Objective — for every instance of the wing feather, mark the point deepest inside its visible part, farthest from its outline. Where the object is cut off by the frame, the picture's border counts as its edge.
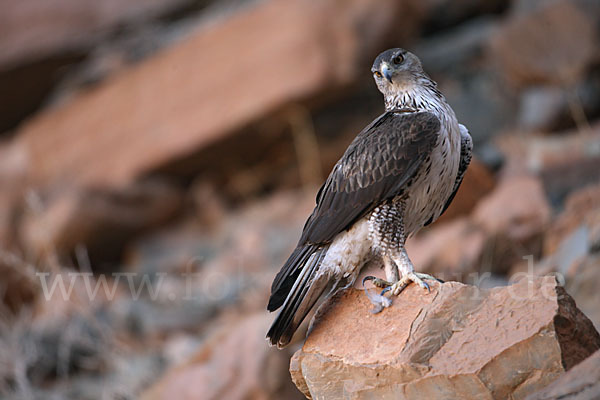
(375, 167)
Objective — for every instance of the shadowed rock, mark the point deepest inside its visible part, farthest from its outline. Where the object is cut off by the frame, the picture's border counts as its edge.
(580, 383)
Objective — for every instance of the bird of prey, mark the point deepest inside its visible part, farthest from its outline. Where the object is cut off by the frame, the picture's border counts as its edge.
(399, 174)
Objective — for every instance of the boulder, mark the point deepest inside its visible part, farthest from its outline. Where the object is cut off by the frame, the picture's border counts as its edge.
(234, 363)
(582, 282)
(35, 30)
(541, 107)
(582, 209)
(513, 228)
(551, 108)
(457, 341)
(101, 219)
(580, 383)
(566, 163)
(450, 251)
(43, 43)
(571, 245)
(199, 90)
(537, 46)
(476, 184)
(13, 172)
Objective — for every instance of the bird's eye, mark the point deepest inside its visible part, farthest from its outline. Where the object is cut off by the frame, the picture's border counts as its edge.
(377, 74)
(398, 59)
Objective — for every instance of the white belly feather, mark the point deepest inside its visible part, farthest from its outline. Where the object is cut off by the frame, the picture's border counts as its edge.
(349, 251)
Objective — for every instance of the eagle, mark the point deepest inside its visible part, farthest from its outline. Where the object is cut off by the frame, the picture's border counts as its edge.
(399, 174)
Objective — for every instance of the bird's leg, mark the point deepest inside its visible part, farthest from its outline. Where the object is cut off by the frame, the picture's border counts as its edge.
(391, 270)
(387, 234)
(408, 274)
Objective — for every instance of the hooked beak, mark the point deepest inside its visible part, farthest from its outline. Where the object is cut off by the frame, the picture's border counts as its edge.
(386, 72)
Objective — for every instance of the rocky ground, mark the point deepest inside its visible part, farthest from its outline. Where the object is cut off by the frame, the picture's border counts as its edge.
(158, 160)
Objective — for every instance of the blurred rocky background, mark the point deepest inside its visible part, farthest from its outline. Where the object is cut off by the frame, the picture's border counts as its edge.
(158, 160)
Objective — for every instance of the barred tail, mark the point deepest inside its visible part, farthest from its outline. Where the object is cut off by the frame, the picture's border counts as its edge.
(307, 289)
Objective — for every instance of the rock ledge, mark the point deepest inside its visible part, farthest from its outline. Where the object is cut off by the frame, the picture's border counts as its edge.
(456, 342)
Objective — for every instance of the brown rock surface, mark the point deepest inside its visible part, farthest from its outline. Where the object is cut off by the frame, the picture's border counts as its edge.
(30, 30)
(583, 280)
(582, 382)
(565, 163)
(519, 220)
(581, 208)
(553, 43)
(235, 363)
(100, 219)
(456, 342)
(448, 251)
(13, 170)
(514, 228)
(478, 182)
(163, 117)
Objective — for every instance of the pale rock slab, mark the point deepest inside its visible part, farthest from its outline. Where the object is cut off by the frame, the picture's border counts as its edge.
(456, 342)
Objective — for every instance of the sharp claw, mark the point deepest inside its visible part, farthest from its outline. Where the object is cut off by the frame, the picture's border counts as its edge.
(368, 278)
(384, 291)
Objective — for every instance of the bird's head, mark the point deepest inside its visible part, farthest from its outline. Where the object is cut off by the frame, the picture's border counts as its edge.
(396, 70)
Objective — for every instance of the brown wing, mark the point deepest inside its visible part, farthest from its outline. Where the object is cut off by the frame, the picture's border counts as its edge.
(378, 164)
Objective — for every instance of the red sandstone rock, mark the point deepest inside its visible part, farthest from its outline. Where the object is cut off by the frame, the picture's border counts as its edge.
(477, 183)
(519, 220)
(456, 342)
(30, 30)
(580, 383)
(181, 99)
(449, 251)
(99, 219)
(514, 216)
(582, 281)
(553, 43)
(235, 363)
(581, 208)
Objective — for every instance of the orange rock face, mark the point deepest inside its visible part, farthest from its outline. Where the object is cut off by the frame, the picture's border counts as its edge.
(537, 47)
(478, 182)
(455, 342)
(235, 363)
(580, 383)
(514, 229)
(182, 99)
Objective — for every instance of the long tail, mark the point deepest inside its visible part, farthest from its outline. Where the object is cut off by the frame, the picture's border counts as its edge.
(307, 289)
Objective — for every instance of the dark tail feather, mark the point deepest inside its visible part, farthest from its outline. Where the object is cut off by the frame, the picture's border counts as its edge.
(285, 279)
(304, 294)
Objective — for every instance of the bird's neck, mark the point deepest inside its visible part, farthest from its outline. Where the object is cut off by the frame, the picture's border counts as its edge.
(421, 95)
